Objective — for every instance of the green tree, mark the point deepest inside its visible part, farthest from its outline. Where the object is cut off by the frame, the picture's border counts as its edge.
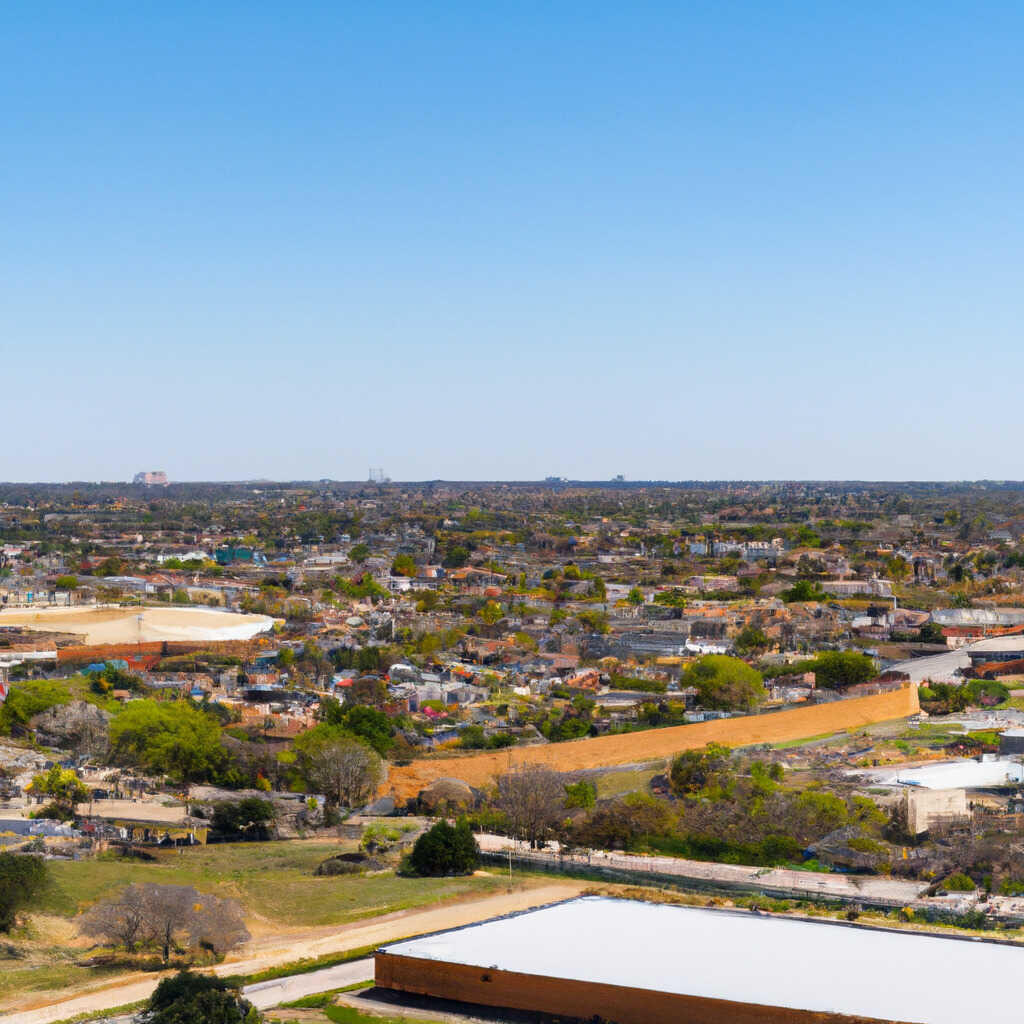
(63, 787)
(750, 640)
(635, 596)
(837, 670)
(725, 683)
(188, 998)
(27, 699)
(445, 850)
(491, 613)
(404, 565)
(22, 879)
(804, 590)
(580, 794)
(172, 739)
(456, 557)
(696, 771)
(250, 818)
(66, 583)
(359, 554)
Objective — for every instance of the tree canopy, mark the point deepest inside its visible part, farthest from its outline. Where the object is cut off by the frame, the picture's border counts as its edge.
(22, 878)
(445, 850)
(725, 683)
(173, 739)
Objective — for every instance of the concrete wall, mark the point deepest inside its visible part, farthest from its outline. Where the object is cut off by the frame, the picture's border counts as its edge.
(777, 727)
(925, 807)
(579, 999)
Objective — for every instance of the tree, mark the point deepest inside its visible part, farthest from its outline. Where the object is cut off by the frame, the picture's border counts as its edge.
(359, 553)
(455, 558)
(345, 769)
(404, 565)
(725, 683)
(120, 921)
(173, 739)
(635, 596)
(533, 799)
(580, 794)
(22, 878)
(63, 786)
(365, 722)
(837, 670)
(164, 915)
(750, 640)
(490, 613)
(444, 850)
(897, 568)
(368, 690)
(27, 699)
(188, 998)
(66, 583)
(694, 771)
(804, 590)
(249, 819)
(167, 911)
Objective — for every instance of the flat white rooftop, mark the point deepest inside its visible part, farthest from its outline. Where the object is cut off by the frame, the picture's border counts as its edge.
(967, 774)
(766, 961)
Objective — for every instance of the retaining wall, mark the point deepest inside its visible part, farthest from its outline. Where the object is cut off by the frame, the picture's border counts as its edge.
(406, 781)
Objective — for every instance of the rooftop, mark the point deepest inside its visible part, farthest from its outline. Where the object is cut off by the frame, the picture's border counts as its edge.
(767, 961)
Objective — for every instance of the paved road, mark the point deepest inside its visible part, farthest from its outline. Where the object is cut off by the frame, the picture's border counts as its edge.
(266, 994)
(808, 883)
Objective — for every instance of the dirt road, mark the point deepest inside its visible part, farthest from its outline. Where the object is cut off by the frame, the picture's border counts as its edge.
(271, 950)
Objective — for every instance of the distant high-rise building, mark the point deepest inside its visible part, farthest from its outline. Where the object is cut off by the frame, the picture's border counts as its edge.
(154, 478)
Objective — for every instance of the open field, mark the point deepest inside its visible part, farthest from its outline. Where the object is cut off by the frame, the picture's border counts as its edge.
(274, 882)
(465, 900)
(115, 625)
(406, 781)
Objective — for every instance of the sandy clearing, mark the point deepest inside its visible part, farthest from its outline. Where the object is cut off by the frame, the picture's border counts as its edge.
(47, 1007)
(116, 625)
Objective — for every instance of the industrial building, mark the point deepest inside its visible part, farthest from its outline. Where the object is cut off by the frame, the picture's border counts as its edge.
(632, 962)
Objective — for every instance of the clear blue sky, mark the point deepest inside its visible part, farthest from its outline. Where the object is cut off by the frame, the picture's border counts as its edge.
(479, 241)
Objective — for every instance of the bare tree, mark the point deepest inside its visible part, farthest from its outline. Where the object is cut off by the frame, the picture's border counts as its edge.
(533, 798)
(346, 771)
(163, 915)
(217, 924)
(120, 921)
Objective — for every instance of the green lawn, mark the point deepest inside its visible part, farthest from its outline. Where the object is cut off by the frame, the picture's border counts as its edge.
(619, 783)
(272, 880)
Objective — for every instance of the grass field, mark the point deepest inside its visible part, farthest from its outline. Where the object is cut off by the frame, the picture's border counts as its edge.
(273, 881)
(612, 784)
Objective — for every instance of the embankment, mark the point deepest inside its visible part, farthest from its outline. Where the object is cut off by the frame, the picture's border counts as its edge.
(406, 781)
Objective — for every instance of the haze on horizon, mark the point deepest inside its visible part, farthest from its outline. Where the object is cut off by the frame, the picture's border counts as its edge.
(674, 243)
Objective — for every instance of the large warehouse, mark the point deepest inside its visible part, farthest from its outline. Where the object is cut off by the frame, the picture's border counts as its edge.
(642, 963)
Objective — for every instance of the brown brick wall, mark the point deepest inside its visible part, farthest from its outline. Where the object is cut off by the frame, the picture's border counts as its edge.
(778, 727)
(580, 999)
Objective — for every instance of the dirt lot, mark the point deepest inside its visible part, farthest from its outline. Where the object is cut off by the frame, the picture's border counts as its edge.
(479, 769)
(115, 625)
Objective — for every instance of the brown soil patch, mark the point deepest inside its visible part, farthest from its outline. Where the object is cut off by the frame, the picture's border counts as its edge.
(406, 781)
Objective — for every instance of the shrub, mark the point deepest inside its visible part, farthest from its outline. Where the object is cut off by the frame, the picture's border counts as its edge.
(958, 882)
(22, 877)
(444, 850)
